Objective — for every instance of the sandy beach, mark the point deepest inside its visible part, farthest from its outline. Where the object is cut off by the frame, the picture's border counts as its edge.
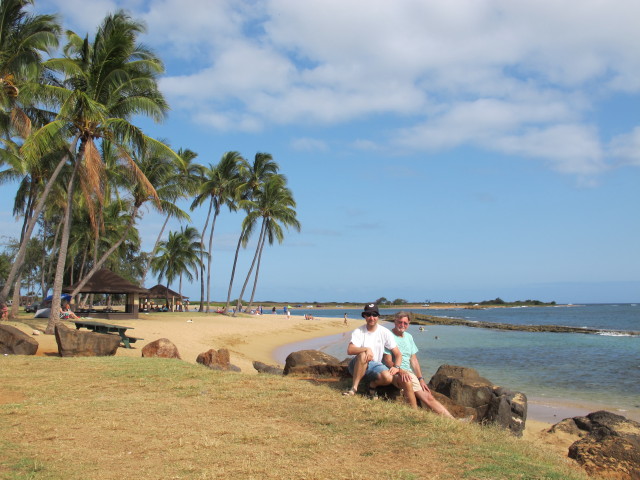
(250, 338)
(247, 338)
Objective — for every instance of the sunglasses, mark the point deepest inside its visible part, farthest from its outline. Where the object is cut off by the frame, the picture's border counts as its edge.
(371, 315)
(399, 322)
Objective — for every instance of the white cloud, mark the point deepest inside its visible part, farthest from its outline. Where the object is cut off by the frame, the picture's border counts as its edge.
(506, 76)
(626, 148)
(309, 145)
(573, 149)
(365, 145)
(83, 17)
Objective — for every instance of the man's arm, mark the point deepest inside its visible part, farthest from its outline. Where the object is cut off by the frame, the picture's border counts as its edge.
(415, 366)
(353, 350)
(387, 360)
(397, 360)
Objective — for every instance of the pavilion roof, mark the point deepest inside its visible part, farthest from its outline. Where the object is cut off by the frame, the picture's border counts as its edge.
(161, 291)
(105, 281)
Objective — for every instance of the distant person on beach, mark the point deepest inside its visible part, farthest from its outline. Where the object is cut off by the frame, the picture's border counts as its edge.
(273, 310)
(368, 343)
(66, 313)
(410, 368)
(4, 311)
(345, 318)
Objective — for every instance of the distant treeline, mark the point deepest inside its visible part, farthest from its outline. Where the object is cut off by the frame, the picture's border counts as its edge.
(499, 301)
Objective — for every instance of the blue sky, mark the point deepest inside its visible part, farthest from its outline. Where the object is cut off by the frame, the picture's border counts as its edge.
(451, 151)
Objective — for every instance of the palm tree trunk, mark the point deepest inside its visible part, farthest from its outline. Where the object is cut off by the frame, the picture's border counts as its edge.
(255, 281)
(255, 256)
(15, 301)
(54, 315)
(213, 226)
(19, 260)
(233, 272)
(153, 252)
(15, 306)
(53, 255)
(105, 255)
(204, 230)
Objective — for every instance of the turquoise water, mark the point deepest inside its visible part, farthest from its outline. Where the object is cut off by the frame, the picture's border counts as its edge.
(603, 369)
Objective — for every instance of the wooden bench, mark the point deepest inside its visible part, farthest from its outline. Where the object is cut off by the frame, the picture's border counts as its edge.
(108, 328)
(127, 340)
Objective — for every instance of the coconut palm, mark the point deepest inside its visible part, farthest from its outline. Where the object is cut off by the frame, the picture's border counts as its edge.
(275, 207)
(24, 38)
(253, 176)
(105, 84)
(220, 187)
(179, 182)
(178, 256)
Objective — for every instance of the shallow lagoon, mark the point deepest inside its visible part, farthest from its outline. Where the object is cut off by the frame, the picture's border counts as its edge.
(569, 367)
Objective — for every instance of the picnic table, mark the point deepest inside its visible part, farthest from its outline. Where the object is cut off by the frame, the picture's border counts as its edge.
(108, 328)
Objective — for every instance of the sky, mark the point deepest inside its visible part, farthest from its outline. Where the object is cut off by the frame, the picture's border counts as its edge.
(437, 150)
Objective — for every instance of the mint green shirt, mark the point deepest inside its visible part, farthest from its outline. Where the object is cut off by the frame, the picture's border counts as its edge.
(407, 347)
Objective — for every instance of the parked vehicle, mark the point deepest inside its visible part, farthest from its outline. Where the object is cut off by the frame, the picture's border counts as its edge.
(32, 307)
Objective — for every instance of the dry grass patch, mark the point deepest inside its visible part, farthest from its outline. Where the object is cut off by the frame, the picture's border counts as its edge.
(118, 417)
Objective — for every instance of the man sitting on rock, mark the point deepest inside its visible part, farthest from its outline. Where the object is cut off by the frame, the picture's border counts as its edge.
(409, 371)
(368, 343)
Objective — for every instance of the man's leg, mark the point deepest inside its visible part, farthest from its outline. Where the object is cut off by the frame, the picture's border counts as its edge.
(430, 401)
(359, 369)
(407, 390)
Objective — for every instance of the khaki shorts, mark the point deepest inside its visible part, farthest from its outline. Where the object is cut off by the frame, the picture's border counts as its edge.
(415, 383)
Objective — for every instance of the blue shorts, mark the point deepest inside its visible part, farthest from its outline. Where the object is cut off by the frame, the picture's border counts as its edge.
(373, 369)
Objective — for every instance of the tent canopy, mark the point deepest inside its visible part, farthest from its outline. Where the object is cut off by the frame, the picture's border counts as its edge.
(105, 281)
(160, 291)
(65, 296)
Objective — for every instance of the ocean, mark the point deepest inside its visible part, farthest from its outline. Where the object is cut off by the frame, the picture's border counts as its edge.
(599, 369)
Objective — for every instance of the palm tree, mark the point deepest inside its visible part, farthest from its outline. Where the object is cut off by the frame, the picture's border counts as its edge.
(106, 83)
(253, 176)
(178, 256)
(179, 182)
(23, 40)
(220, 187)
(274, 204)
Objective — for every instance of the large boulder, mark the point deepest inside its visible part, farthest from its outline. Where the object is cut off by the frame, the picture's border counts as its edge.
(314, 363)
(162, 348)
(609, 447)
(217, 360)
(76, 343)
(491, 403)
(15, 342)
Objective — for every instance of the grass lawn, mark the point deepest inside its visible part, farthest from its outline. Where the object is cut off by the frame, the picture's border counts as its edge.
(120, 417)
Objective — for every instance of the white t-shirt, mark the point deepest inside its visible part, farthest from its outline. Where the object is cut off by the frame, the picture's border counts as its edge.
(377, 341)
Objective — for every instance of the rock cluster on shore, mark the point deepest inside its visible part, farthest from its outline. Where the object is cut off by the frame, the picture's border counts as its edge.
(420, 319)
(606, 445)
